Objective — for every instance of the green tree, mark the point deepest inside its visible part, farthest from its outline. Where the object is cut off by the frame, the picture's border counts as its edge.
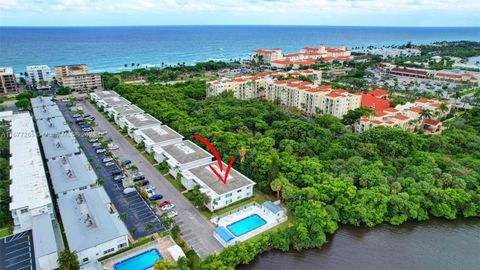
(68, 260)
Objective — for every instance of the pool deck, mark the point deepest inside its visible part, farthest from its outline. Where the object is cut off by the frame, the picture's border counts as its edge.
(162, 244)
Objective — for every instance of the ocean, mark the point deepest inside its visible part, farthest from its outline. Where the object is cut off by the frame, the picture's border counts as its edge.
(110, 48)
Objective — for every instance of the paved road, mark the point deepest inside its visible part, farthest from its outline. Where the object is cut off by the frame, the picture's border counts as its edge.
(195, 228)
(139, 212)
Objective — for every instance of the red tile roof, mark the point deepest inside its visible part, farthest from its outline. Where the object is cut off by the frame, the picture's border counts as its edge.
(416, 109)
(264, 51)
(378, 92)
(431, 122)
(400, 117)
(409, 71)
(333, 95)
(375, 103)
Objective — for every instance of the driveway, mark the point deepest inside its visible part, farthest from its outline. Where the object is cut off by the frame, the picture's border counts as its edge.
(195, 228)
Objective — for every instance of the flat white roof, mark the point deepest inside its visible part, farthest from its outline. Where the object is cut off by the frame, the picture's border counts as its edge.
(87, 219)
(126, 109)
(38, 67)
(141, 120)
(183, 152)
(73, 172)
(6, 71)
(29, 186)
(42, 101)
(206, 178)
(46, 112)
(53, 125)
(44, 242)
(158, 133)
(57, 145)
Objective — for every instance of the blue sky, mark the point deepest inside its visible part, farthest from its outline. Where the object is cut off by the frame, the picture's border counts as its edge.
(253, 12)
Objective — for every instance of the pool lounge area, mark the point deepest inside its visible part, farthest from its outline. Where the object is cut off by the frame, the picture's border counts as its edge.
(142, 261)
(247, 221)
(143, 257)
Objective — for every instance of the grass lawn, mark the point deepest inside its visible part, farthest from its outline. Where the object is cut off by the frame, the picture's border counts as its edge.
(5, 231)
(175, 182)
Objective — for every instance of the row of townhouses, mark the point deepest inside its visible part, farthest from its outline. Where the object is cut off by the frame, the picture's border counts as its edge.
(92, 225)
(410, 116)
(184, 158)
(307, 96)
(306, 56)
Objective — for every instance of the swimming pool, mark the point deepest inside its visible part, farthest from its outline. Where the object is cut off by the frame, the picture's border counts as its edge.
(140, 261)
(246, 225)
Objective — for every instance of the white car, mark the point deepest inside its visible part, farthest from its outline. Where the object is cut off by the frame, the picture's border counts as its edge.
(172, 214)
(108, 164)
(107, 159)
(113, 147)
(96, 144)
(102, 133)
(129, 190)
(149, 191)
(101, 150)
(167, 207)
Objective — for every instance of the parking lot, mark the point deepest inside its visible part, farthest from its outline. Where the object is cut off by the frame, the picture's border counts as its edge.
(16, 252)
(138, 212)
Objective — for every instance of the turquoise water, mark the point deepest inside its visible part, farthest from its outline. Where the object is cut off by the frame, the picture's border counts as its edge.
(246, 225)
(141, 261)
(110, 48)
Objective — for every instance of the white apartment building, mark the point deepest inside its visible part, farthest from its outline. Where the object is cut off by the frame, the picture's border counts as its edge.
(304, 96)
(137, 121)
(31, 204)
(92, 226)
(29, 191)
(181, 156)
(39, 76)
(267, 56)
(101, 94)
(237, 187)
(157, 135)
(118, 112)
(71, 174)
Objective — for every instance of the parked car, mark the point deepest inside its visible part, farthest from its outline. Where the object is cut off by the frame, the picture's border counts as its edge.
(86, 115)
(155, 197)
(138, 176)
(119, 178)
(96, 144)
(164, 203)
(107, 159)
(113, 147)
(93, 140)
(126, 162)
(129, 190)
(116, 172)
(101, 150)
(76, 115)
(102, 133)
(143, 182)
(167, 207)
(150, 191)
(81, 123)
(91, 118)
(86, 129)
(172, 214)
(78, 120)
(109, 164)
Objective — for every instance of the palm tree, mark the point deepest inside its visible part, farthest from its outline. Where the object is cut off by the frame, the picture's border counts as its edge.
(68, 260)
(426, 113)
(126, 66)
(100, 182)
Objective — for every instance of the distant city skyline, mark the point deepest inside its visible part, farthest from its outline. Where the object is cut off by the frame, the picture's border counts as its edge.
(239, 12)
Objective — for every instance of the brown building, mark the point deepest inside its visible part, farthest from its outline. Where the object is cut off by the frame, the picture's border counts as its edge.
(8, 83)
(83, 82)
(67, 70)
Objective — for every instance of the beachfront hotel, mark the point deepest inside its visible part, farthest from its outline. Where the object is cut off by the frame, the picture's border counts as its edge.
(307, 56)
(77, 78)
(8, 83)
(68, 70)
(287, 88)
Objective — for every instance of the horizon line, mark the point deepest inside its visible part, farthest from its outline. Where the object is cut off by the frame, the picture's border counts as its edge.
(200, 25)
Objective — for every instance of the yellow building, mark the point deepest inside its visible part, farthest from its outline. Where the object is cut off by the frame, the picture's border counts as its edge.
(8, 83)
(67, 70)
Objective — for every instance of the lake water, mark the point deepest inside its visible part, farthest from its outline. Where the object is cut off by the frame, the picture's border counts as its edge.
(435, 244)
(109, 48)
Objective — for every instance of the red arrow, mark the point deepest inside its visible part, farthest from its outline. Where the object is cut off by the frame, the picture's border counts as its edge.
(219, 160)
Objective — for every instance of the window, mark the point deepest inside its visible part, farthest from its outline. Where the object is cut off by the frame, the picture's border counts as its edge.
(108, 251)
(23, 211)
(228, 195)
(82, 188)
(239, 190)
(85, 260)
(239, 197)
(122, 245)
(228, 201)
